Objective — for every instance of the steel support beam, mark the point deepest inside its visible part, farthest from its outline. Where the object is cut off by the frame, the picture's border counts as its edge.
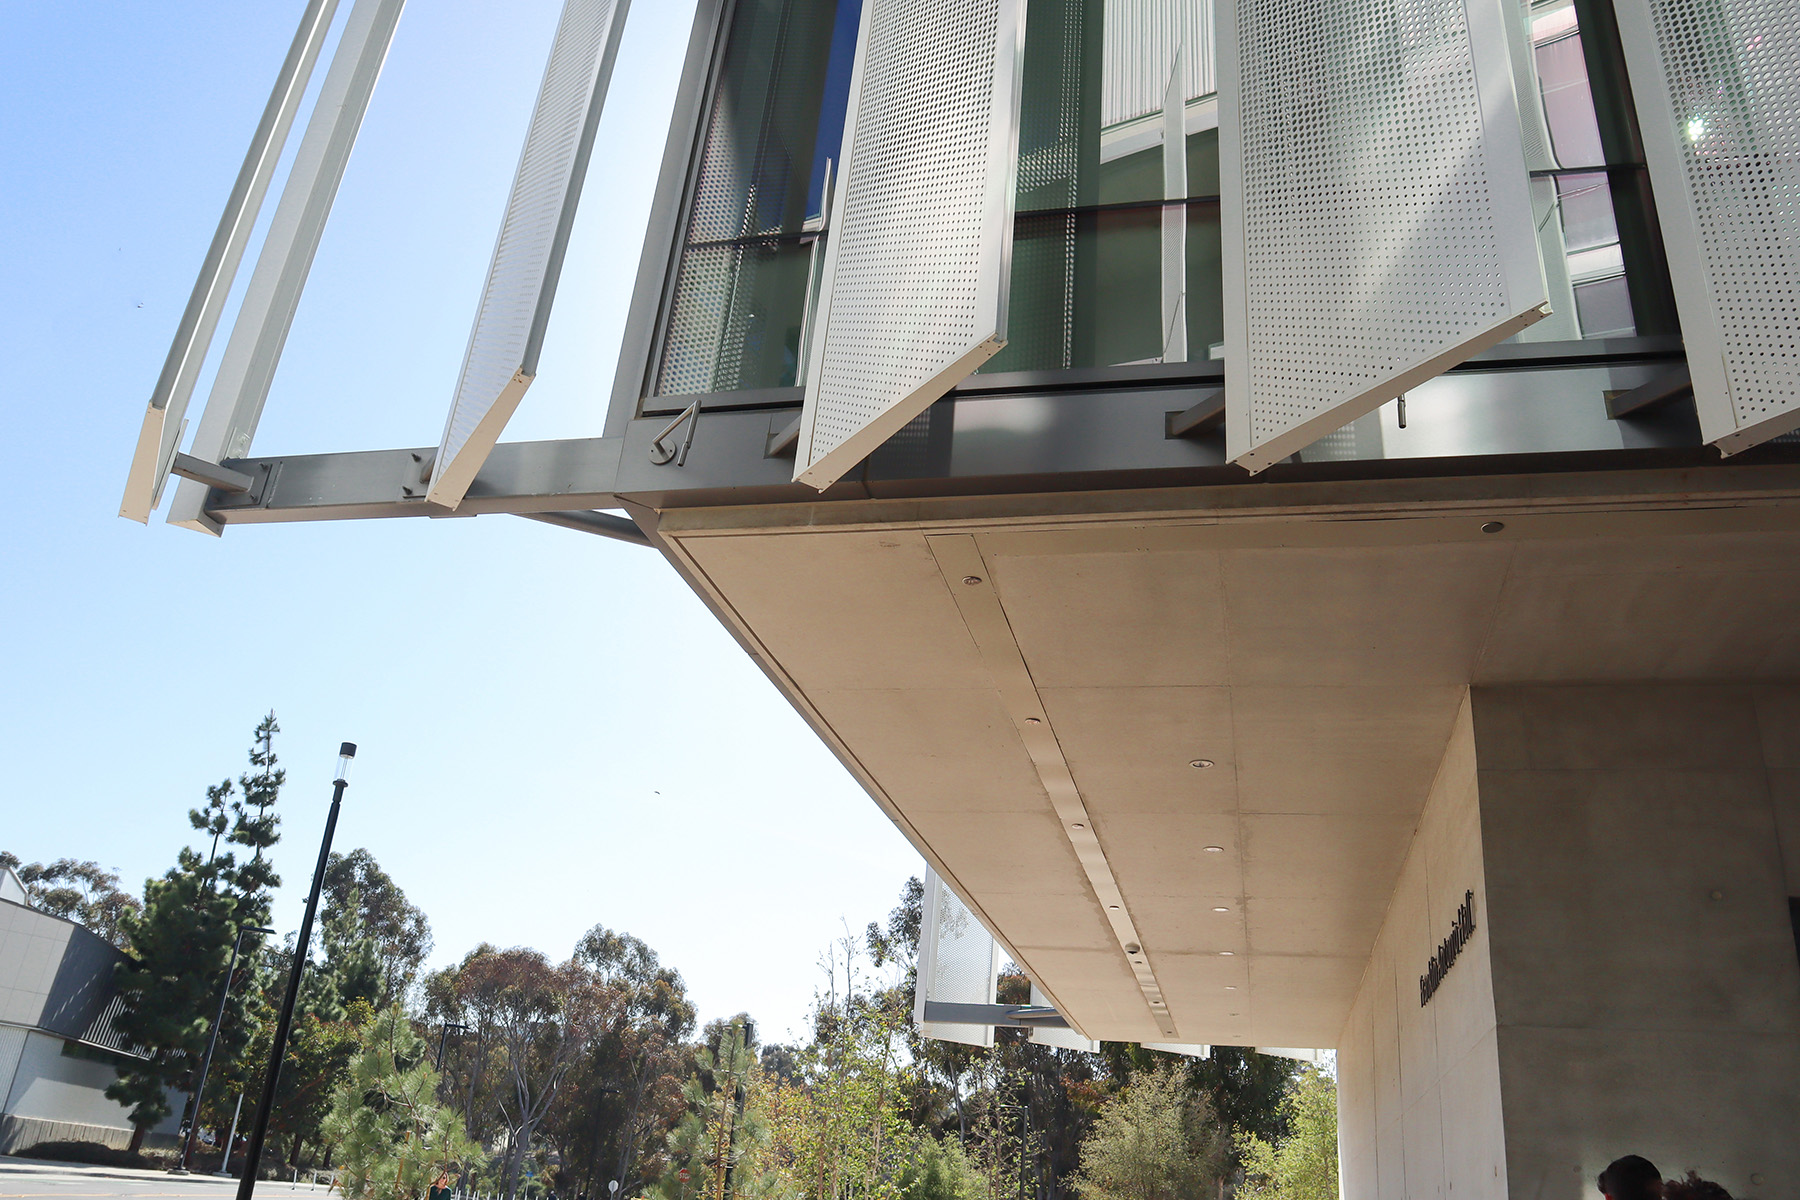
(1001, 1016)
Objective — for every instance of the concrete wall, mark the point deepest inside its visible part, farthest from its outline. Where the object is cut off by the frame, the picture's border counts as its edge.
(1646, 988)
(1419, 1111)
(53, 1096)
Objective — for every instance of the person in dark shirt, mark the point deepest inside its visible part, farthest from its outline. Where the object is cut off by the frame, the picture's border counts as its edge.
(1631, 1178)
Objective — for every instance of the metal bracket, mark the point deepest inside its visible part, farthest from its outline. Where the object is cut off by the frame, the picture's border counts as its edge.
(425, 461)
(1634, 402)
(606, 525)
(214, 476)
(661, 454)
(784, 439)
(1208, 416)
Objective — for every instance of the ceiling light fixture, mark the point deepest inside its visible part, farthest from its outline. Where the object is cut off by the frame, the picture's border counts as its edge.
(1493, 526)
(1220, 908)
(1215, 849)
(971, 580)
(1201, 763)
(1226, 953)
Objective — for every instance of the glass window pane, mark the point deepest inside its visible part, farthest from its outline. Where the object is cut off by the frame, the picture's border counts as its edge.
(1604, 308)
(1587, 211)
(778, 114)
(1568, 105)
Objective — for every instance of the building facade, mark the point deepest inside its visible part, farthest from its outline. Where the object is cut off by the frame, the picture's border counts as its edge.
(57, 1043)
(1291, 507)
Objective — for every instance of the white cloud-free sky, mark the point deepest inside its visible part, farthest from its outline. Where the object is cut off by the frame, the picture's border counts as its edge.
(554, 732)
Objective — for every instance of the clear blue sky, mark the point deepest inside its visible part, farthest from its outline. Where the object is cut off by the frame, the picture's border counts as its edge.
(554, 732)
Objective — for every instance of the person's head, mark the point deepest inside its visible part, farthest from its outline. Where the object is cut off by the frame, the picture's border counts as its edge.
(1694, 1188)
(1631, 1178)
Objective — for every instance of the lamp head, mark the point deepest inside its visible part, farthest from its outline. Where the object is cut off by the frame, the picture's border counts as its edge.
(346, 752)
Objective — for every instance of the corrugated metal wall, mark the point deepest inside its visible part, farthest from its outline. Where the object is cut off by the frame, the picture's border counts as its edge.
(1141, 36)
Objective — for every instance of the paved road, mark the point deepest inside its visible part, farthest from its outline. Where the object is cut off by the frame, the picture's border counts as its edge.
(33, 1179)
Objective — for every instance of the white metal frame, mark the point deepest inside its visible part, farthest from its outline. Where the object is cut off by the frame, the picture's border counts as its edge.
(508, 334)
(164, 419)
(1727, 185)
(941, 905)
(1262, 430)
(254, 351)
(844, 389)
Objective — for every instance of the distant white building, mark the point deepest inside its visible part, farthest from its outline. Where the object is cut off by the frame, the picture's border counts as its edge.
(57, 1043)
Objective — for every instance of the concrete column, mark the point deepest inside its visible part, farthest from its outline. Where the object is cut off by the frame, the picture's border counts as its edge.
(1631, 984)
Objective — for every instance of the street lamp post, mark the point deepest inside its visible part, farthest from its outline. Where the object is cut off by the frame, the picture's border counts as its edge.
(272, 1076)
(212, 1040)
(444, 1037)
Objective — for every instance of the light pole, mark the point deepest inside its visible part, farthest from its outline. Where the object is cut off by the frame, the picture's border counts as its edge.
(272, 1076)
(444, 1037)
(212, 1040)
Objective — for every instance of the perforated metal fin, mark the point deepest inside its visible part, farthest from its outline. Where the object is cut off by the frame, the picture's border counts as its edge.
(1717, 87)
(916, 270)
(1376, 209)
(502, 357)
(959, 963)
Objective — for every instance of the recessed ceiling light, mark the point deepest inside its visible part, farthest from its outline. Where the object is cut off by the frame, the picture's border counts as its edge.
(1493, 526)
(1078, 825)
(971, 580)
(1227, 953)
(1220, 908)
(1114, 907)
(1201, 763)
(1033, 721)
(1131, 947)
(1215, 849)
(1231, 987)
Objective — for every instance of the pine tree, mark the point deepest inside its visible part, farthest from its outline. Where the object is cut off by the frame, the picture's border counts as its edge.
(180, 943)
(392, 1137)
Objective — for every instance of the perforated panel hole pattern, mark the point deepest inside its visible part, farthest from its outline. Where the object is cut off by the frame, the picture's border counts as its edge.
(1733, 68)
(906, 301)
(1370, 241)
(534, 210)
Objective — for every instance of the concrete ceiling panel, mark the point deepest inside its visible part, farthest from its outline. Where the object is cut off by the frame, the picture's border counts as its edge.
(1045, 918)
(1188, 925)
(846, 610)
(1369, 614)
(936, 750)
(1124, 619)
(1635, 624)
(1164, 854)
(1003, 852)
(1333, 860)
(1302, 925)
(1343, 750)
(1305, 997)
(1130, 748)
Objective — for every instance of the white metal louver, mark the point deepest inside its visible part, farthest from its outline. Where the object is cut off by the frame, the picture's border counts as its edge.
(916, 270)
(502, 357)
(163, 418)
(259, 334)
(1376, 209)
(959, 963)
(1717, 86)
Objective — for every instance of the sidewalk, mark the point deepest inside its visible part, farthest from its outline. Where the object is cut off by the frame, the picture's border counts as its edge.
(27, 1167)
